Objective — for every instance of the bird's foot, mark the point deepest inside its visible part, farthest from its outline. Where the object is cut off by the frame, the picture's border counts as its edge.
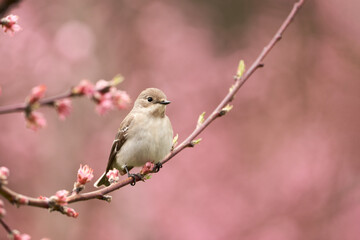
(134, 176)
(157, 167)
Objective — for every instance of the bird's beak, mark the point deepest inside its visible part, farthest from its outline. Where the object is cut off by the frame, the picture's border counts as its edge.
(164, 102)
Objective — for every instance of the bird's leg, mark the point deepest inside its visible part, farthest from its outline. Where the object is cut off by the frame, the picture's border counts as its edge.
(157, 167)
(133, 176)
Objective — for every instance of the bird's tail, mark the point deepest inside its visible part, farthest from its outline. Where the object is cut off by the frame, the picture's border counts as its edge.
(103, 180)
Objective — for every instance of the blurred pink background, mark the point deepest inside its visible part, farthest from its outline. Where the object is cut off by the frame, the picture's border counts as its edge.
(282, 165)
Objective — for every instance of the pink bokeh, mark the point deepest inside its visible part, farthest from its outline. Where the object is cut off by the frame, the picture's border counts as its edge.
(283, 164)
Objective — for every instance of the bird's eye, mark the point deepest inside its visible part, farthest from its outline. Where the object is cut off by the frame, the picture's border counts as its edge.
(149, 99)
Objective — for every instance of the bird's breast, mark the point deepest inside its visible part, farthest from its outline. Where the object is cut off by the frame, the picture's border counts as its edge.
(149, 140)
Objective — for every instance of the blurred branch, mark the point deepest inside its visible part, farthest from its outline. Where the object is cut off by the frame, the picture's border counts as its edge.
(6, 5)
(18, 199)
(104, 94)
(190, 141)
(7, 228)
(13, 234)
(22, 107)
(84, 88)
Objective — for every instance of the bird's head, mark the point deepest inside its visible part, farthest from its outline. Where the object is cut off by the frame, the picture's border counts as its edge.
(152, 100)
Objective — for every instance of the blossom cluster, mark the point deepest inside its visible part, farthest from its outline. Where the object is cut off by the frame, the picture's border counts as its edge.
(61, 197)
(84, 175)
(35, 120)
(113, 175)
(63, 107)
(104, 93)
(9, 24)
(70, 212)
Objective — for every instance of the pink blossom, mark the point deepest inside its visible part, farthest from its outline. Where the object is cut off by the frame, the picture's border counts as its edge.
(85, 174)
(35, 121)
(4, 173)
(43, 198)
(61, 197)
(105, 104)
(37, 93)
(63, 107)
(108, 97)
(113, 98)
(84, 88)
(9, 23)
(120, 98)
(101, 85)
(71, 213)
(23, 200)
(147, 168)
(18, 236)
(113, 175)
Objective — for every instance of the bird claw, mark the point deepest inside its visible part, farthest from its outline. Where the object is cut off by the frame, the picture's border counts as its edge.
(133, 179)
(133, 176)
(157, 167)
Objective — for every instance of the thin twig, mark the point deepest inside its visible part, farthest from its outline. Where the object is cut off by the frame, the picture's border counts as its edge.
(21, 107)
(7, 228)
(6, 5)
(239, 83)
(14, 197)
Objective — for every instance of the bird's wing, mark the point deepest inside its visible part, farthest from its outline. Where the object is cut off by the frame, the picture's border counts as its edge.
(119, 141)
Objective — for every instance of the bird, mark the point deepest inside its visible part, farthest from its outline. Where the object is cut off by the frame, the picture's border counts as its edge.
(145, 135)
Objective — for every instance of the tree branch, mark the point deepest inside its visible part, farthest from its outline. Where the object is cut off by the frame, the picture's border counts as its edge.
(7, 228)
(6, 5)
(215, 114)
(19, 199)
(238, 84)
(21, 107)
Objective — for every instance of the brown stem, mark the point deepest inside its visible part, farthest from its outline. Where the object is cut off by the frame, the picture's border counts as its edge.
(6, 5)
(239, 82)
(17, 198)
(7, 228)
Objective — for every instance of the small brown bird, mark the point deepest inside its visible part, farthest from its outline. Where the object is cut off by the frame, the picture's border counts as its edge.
(145, 135)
